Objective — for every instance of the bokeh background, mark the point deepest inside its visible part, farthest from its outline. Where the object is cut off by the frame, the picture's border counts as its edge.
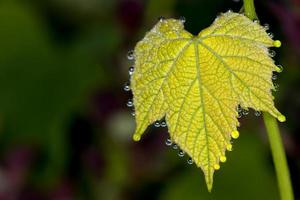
(65, 130)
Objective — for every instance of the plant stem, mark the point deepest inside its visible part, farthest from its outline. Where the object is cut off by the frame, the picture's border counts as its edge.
(277, 149)
(279, 159)
(250, 9)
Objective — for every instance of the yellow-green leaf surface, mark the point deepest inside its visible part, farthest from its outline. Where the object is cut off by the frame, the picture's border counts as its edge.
(197, 83)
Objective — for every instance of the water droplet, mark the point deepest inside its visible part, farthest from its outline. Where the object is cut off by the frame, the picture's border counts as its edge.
(130, 71)
(229, 147)
(182, 19)
(235, 134)
(229, 11)
(175, 146)
(181, 153)
(130, 55)
(245, 112)
(157, 124)
(272, 53)
(256, 21)
(239, 115)
(274, 77)
(239, 108)
(133, 113)
(169, 142)
(271, 35)
(216, 166)
(126, 87)
(266, 27)
(223, 159)
(257, 113)
(190, 161)
(161, 19)
(129, 103)
(163, 124)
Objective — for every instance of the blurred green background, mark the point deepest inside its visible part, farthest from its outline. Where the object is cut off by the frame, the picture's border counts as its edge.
(65, 130)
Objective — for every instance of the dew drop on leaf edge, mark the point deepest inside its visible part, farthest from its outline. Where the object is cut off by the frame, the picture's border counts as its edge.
(190, 161)
(161, 18)
(239, 108)
(256, 21)
(239, 115)
(157, 124)
(266, 27)
(168, 142)
(129, 103)
(245, 112)
(126, 87)
(272, 53)
(271, 35)
(181, 153)
(175, 146)
(130, 71)
(163, 124)
(182, 19)
(257, 113)
(130, 55)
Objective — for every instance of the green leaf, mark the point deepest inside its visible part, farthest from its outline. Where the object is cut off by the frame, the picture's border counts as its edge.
(197, 83)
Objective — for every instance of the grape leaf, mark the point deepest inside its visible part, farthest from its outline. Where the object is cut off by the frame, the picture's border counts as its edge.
(198, 82)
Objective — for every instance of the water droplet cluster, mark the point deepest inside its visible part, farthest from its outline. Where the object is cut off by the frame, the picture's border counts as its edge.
(272, 53)
(180, 152)
(242, 112)
(130, 104)
(161, 123)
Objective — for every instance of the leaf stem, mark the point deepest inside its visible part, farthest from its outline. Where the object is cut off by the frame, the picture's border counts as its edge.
(277, 149)
(282, 171)
(250, 9)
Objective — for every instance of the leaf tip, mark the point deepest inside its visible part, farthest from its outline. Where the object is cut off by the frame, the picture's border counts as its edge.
(216, 166)
(136, 137)
(281, 118)
(278, 68)
(277, 43)
(209, 186)
(235, 134)
(209, 178)
(223, 159)
(229, 147)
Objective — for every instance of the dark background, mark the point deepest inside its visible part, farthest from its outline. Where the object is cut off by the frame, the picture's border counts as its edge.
(65, 130)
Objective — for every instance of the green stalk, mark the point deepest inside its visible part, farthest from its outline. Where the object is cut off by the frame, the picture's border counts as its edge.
(279, 159)
(277, 149)
(250, 9)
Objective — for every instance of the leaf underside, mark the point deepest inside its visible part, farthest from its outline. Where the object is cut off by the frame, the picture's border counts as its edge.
(197, 83)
